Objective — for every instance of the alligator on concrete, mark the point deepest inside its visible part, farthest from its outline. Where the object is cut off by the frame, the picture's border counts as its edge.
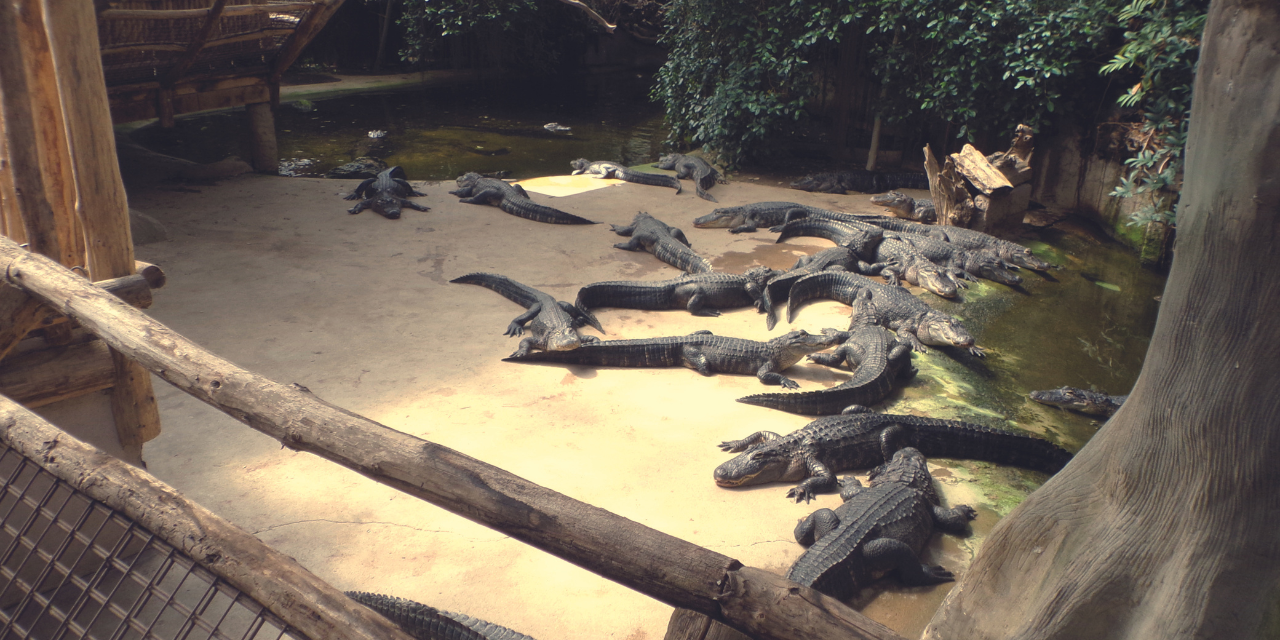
(908, 316)
(702, 351)
(881, 528)
(664, 241)
(904, 206)
(605, 169)
(511, 198)
(901, 261)
(862, 238)
(861, 180)
(750, 217)
(1010, 252)
(961, 260)
(552, 325)
(1084, 401)
(703, 174)
(777, 289)
(429, 623)
(875, 356)
(832, 444)
(703, 294)
(385, 194)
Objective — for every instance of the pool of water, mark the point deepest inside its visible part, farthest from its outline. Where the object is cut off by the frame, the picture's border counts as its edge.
(441, 133)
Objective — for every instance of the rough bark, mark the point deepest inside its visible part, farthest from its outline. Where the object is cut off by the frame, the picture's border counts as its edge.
(1165, 524)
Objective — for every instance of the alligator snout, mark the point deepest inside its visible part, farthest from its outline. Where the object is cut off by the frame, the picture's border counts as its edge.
(563, 341)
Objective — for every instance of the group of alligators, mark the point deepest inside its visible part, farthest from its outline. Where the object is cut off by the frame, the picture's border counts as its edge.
(878, 528)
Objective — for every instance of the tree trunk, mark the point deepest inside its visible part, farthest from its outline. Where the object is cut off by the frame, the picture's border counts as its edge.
(1164, 525)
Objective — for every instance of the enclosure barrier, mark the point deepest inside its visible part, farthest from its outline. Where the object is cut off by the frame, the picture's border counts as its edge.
(684, 575)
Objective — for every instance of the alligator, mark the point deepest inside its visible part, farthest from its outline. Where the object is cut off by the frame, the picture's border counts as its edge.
(385, 194)
(429, 623)
(511, 198)
(961, 260)
(703, 174)
(904, 206)
(552, 324)
(1084, 401)
(902, 261)
(779, 286)
(703, 294)
(908, 316)
(750, 217)
(702, 351)
(871, 351)
(861, 180)
(604, 169)
(832, 444)
(664, 241)
(862, 239)
(880, 528)
(1010, 252)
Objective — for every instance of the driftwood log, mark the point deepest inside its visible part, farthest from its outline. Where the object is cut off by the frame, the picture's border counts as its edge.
(951, 198)
(984, 177)
(756, 602)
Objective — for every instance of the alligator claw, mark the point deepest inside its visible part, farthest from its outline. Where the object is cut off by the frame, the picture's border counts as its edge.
(978, 351)
(968, 511)
(799, 493)
(788, 383)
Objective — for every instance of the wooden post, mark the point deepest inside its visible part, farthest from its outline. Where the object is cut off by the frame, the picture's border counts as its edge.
(101, 202)
(758, 603)
(301, 599)
(42, 377)
(262, 129)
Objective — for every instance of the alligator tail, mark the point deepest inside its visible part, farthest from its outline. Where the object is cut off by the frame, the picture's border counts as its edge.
(521, 294)
(650, 296)
(815, 403)
(681, 257)
(528, 209)
(653, 179)
(430, 623)
(955, 439)
(835, 285)
(653, 352)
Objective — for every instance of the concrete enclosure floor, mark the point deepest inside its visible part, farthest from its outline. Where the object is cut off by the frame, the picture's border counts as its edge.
(274, 275)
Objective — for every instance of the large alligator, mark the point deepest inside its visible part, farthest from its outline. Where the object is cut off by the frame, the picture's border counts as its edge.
(605, 169)
(474, 188)
(385, 194)
(777, 289)
(702, 351)
(832, 444)
(875, 356)
(861, 180)
(1084, 401)
(1010, 252)
(908, 316)
(664, 241)
(881, 528)
(904, 206)
(702, 294)
(703, 174)
(904, 262)
(552, 325)
(749, 217)
(429, 623)
(959, 259)
(862, 239)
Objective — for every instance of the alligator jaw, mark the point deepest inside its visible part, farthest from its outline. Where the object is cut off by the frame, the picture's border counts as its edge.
(942, 332)
(720, 219)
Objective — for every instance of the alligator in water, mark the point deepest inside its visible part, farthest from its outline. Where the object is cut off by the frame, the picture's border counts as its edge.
(1010, 252)
(1084, 401)
(904, 206)
(605, 169)
(863, 181)
(880, 528)
(429, 623)
(664, 241)
(875, 356)
(552, 324)
(829, 445)
(703, 174)
(386, 194)
(777, 289)
(703, 294)
(959, 259)
(908, 316)
(511, 198)
(702, 351)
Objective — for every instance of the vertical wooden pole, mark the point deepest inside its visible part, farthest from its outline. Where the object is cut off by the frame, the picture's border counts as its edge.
(10, 218)
(262, 128)
(72, 29)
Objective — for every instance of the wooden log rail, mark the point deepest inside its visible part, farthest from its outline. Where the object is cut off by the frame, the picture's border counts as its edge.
(301, 599)
(681, 574)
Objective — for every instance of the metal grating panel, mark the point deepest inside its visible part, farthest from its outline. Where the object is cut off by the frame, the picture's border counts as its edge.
(71, 567)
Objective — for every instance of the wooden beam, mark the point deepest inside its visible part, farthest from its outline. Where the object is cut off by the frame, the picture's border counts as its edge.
(45, 376)
(18, 310)
(306, 30)
(758, 603)
(161, 46)
(196, 14)
(180, 67)
(304, 601)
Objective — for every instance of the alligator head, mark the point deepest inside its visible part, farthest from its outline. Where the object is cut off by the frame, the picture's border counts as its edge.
(901, 204)
(994, 269)
(579, 165)
(387, 204)
(793, 346)
(468, 180)
(724, 218)
(933, 279)
(820, 182)
(1082, 400)
(1024, 258)
(907, 467)
(566, 339)
(762, 464)
(668, 161)
(943, 331)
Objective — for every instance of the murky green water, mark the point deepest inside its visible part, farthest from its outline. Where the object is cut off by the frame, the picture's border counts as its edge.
(440, 133)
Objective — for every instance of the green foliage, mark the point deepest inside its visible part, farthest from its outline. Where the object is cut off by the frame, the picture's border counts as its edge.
(1162, 47)
(526, 34)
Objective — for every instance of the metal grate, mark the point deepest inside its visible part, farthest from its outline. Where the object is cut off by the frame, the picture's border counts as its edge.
(71, 567)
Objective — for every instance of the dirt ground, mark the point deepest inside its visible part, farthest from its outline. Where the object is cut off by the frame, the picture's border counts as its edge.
(273, 274)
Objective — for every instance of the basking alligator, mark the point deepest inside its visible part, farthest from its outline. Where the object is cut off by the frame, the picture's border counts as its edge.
(862, 239)
(552, 324)
(664, 241)
(959, 259)
(385, 194)
(429, 623)
(880, 528)
(511, 198)
(908, 316)
(875, 357)
(1010, 252)
(779, 286)
(704, 175)
(701, 351)
(605, 169)
(902, 261)
(904, 206)
(702, 294)
(829, 445)
(861, 180)
(750, 217)
(1082, 400)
